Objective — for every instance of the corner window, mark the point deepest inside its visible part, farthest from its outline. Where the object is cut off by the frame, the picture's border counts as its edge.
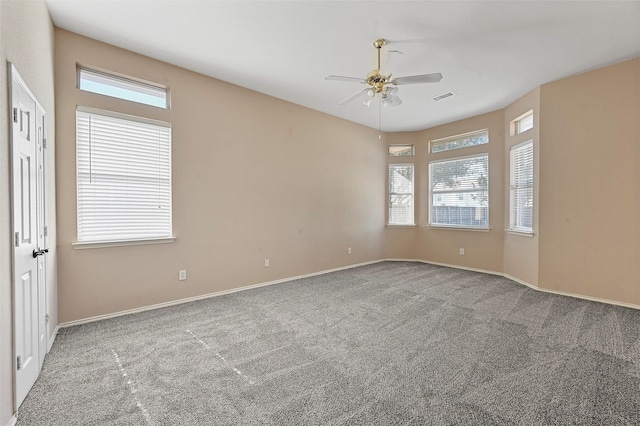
(123, 177)
(521, 188)
(459, 192)
(122, 88)
(401, 206)
(465, 140)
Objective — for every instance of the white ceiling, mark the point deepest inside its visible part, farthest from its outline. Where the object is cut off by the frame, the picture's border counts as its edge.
(490, 53)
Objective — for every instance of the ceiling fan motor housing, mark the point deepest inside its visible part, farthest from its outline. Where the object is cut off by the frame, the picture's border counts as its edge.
(377, 80)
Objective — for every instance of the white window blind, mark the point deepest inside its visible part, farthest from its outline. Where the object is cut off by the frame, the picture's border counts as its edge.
(521, 187)
(459, 192)
(123, 166)
(401, 206)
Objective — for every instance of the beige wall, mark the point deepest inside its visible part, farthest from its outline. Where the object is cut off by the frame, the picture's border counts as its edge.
(253, 177)
(483, 250)
(587, 187)
(590, 184)
(26, 40)
(521, 251)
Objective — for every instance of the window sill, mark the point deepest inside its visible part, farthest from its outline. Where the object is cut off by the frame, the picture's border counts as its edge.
(398, 225)
(458, 228)
(123, 243)
(521, 233)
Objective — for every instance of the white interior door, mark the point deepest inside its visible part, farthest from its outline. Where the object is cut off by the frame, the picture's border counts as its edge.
(29, 295)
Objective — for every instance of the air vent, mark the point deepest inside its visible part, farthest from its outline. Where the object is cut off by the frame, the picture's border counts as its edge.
(443, 96)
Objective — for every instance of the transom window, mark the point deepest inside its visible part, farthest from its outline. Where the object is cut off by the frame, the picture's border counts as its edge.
(123, 177)
(123, 88)
(400, 150)
(522, 123)
(521, 188)
(459, 192)
(465, 140)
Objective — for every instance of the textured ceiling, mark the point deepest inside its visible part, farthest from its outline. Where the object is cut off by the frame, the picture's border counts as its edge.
(490, 53)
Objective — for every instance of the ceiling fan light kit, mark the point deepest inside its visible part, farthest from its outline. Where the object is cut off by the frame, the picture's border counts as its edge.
(381, 85)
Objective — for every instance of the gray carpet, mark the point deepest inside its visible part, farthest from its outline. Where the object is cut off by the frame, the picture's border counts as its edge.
(385, 344)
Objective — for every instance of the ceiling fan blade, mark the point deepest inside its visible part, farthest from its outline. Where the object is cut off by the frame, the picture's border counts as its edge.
(354, 96)
(342, 78)
(416, 79)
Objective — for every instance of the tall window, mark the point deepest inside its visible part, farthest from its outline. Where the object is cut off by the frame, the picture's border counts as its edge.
(459, 192)
(123, 177)
(521, 187)
(401, 206)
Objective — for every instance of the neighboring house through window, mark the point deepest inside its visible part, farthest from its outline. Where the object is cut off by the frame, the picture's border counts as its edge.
(459, 192)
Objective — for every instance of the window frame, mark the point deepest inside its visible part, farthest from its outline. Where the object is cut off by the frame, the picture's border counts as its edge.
(514, 227)
(121, 82)
(120, 240)
(458, 138)
(390, 194)
(411, 154)
(432, 194)
(517, 122)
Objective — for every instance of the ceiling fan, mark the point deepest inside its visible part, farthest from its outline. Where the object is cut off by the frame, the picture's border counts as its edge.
(383, 85)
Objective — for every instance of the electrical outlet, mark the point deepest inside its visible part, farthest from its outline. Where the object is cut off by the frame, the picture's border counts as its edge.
(266, 263)
(462, 251)
(349, 250)
(182, 275)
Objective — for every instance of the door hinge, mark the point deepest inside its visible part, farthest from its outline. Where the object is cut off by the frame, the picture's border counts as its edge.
(46, 318)
(17, 239)
(44, 143)
(19, 362)
(15, 115)
(46, 231)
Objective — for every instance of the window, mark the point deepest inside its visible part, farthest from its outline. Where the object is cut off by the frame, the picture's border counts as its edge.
(401, 194)
(122, 88)
(400, 150)
(522, 123)
(521, 188)
(459, 192)
(479, 137)
(123, 177)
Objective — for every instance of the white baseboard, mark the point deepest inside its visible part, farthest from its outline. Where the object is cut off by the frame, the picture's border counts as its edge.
(532, 286)
(53, 338)
(483, 271)
(249, 287)
(12, 420)
(209, 295)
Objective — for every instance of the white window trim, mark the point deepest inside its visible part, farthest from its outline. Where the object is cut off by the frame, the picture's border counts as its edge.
(413, 150)
(515, 123)
(115, 78)
(121, 243)
(456, 137)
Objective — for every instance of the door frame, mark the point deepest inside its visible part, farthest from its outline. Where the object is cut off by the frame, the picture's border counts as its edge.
(13, 73)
